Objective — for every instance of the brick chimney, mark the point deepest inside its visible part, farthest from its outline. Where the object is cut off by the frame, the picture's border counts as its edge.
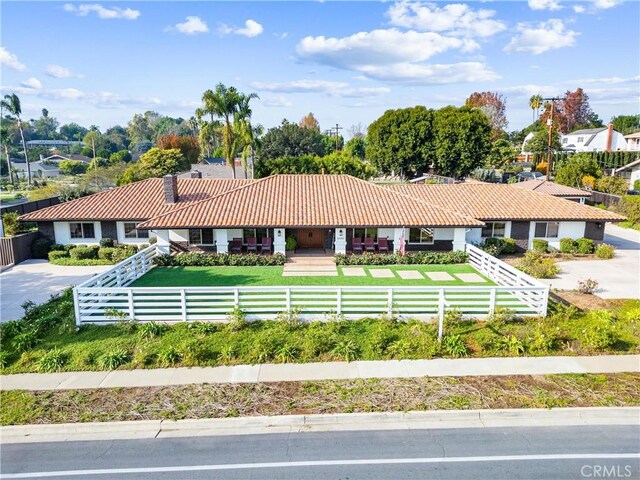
(609, 137)
(170, 188)
(195, 174)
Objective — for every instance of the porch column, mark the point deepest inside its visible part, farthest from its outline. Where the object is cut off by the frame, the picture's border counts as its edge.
(341, 240)
(459, 238)
(279, 241)
(222, 241)
(397, 233)
(162, 242)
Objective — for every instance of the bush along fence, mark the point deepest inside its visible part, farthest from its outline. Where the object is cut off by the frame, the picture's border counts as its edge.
(107, 298)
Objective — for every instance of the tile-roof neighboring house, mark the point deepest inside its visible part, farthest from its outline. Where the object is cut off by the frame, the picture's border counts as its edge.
(552, 188)
(58, 157)
(489, 201)
(140, 200)
(310, 201)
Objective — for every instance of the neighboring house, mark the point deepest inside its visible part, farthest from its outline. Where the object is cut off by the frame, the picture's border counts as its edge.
(39, 169)
(217, 168)
(604, 139)
(630, 172)
(322, 211)
(633, 141)
(526, 176)
(58, 157)
(555, 189)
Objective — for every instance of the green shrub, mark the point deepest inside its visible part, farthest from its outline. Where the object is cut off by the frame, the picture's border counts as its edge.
(106, 242)
(413, 258)
(511, 344)
(40, 248)
(509, 246)
(122, 252)
(56, 254)
(605, 251)
(152, 329)
(454, 346)
(53, 361)
(113, 359)
(237, 319)
(199, 259)
(534, 264)
(72, 262)
(57, 247)
(540, 246)
(499, 246)
(25, 341)
(106, 253)
(567, 245)
(89, 252)
(4, 358)
(347, 350)
(584, 246)
(598, 330)
(629, 206)
(169, 356)
(636, 184)
(290, 243)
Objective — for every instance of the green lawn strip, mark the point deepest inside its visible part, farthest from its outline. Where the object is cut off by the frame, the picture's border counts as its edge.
(272, 276)
(318, 397)
(51, 327)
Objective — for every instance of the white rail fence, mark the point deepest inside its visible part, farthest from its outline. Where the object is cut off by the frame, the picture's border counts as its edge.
(106, 297)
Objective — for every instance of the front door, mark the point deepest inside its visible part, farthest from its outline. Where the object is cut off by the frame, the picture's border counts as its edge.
(310, 238)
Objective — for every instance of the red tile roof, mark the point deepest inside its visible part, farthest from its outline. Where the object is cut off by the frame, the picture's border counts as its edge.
(552, 188)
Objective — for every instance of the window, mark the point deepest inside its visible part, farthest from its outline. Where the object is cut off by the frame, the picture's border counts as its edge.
(494, 229)
(257, 233)
(421, 235)
(201, 236)
(130, 231)
(580, 140)
(366, 233)
(82, 230)
(546, 230)
(565, 141)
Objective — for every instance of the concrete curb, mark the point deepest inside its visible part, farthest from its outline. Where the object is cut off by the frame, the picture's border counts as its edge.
(283, 372)
(437, 419)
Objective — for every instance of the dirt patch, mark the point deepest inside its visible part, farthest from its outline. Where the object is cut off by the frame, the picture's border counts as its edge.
(584, 301)
(345, 396)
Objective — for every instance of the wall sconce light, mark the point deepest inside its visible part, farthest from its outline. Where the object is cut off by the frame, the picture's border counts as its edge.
(279, 232)
(340, 233)
(599, 225)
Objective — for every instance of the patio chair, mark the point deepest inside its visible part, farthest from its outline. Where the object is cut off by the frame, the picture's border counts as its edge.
(369, 246)
(266, 245)
(357, 245)
(236, 245)
(383, 245)
(252, 245)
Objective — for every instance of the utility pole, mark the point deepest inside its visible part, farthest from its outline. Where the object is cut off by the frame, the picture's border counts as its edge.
(549, 141)
(334, 131)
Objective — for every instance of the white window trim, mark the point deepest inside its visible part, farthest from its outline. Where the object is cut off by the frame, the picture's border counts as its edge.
(200, 242)
(546, 230)
(82, 224)
(433, 237)
(493, 229)
(137, 232)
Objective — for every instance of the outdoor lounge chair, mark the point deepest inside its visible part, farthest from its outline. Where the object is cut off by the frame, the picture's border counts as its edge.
(357, 245)
(368, 245)
(266, 245)
(236, 245)
(383, 245)
(252, 245)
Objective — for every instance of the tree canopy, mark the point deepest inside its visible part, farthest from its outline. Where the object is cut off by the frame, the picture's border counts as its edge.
(155, 163)
(290, 140)
(572, 112)
(572, 170)
(493, 105)
(626, 124)
(339, 162)
(310, 121)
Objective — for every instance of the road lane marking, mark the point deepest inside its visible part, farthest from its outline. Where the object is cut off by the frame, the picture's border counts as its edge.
(321, 463)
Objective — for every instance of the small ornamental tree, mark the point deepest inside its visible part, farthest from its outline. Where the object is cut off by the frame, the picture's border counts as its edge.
(574, 169)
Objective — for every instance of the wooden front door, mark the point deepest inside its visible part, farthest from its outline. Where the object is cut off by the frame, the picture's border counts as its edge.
(310, 238)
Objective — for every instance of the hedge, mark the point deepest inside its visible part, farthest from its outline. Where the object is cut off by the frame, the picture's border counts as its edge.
(199, 259)
(499, 246)
(585, 246)
(540, 246)
(412, 258)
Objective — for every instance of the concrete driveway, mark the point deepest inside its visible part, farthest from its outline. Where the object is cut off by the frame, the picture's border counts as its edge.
(37, 280)
(617, 278)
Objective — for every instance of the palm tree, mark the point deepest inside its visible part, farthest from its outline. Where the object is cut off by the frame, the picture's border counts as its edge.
(535, 102)
(246, 134)
(12, 104)
(233, 108)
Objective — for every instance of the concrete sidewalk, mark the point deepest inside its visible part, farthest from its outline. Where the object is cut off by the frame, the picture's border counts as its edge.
(288, 372)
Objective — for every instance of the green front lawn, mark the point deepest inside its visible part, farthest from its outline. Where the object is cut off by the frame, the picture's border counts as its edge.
(272, 276)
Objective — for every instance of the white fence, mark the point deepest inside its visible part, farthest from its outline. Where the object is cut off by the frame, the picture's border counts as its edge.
(106, 297)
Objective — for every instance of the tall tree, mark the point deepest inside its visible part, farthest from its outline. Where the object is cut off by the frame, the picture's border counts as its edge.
(572, 112)
(45, 128)
(231, 107)
(290, 140)
(12, 104)
(73, 132)
(5, 141)
(310, 121)
(626, 124)
(188, 146)
(535, 102)
(493, 105)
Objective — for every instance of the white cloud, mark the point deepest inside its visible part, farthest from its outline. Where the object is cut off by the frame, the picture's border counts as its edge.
(379, 47)
(33, 83)
(299, 86)
(608, 80)
(457, 19)
(251, 29)
(360, 92)
(435, 74)
(276, 101)
(191, 26)
(112, 13)
(544, 5)
(9, 60)
(281, 36)
(579, 9)
(58, 71)
(606, 4)
(545, 36)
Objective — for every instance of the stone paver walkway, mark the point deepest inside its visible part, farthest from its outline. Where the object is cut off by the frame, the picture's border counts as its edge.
(440, 276)
(410, 275)
(310, 266)
(381, 273)
(354, 272)
(284, 372)
(470, 277)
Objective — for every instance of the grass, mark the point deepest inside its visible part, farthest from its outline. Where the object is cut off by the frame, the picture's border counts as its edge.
(129, 345)
(272, 276)
(343, 396)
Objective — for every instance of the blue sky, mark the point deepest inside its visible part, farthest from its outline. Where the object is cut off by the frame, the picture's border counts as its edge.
(347, 62)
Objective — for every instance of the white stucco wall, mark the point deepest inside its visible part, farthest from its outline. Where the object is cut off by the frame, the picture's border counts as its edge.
(122, 239)
(386, 232)
(63, 234)
(443, 233)
(565, 230)
(179, 235)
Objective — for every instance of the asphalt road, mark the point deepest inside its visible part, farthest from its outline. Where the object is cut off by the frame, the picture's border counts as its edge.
(488, 453)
